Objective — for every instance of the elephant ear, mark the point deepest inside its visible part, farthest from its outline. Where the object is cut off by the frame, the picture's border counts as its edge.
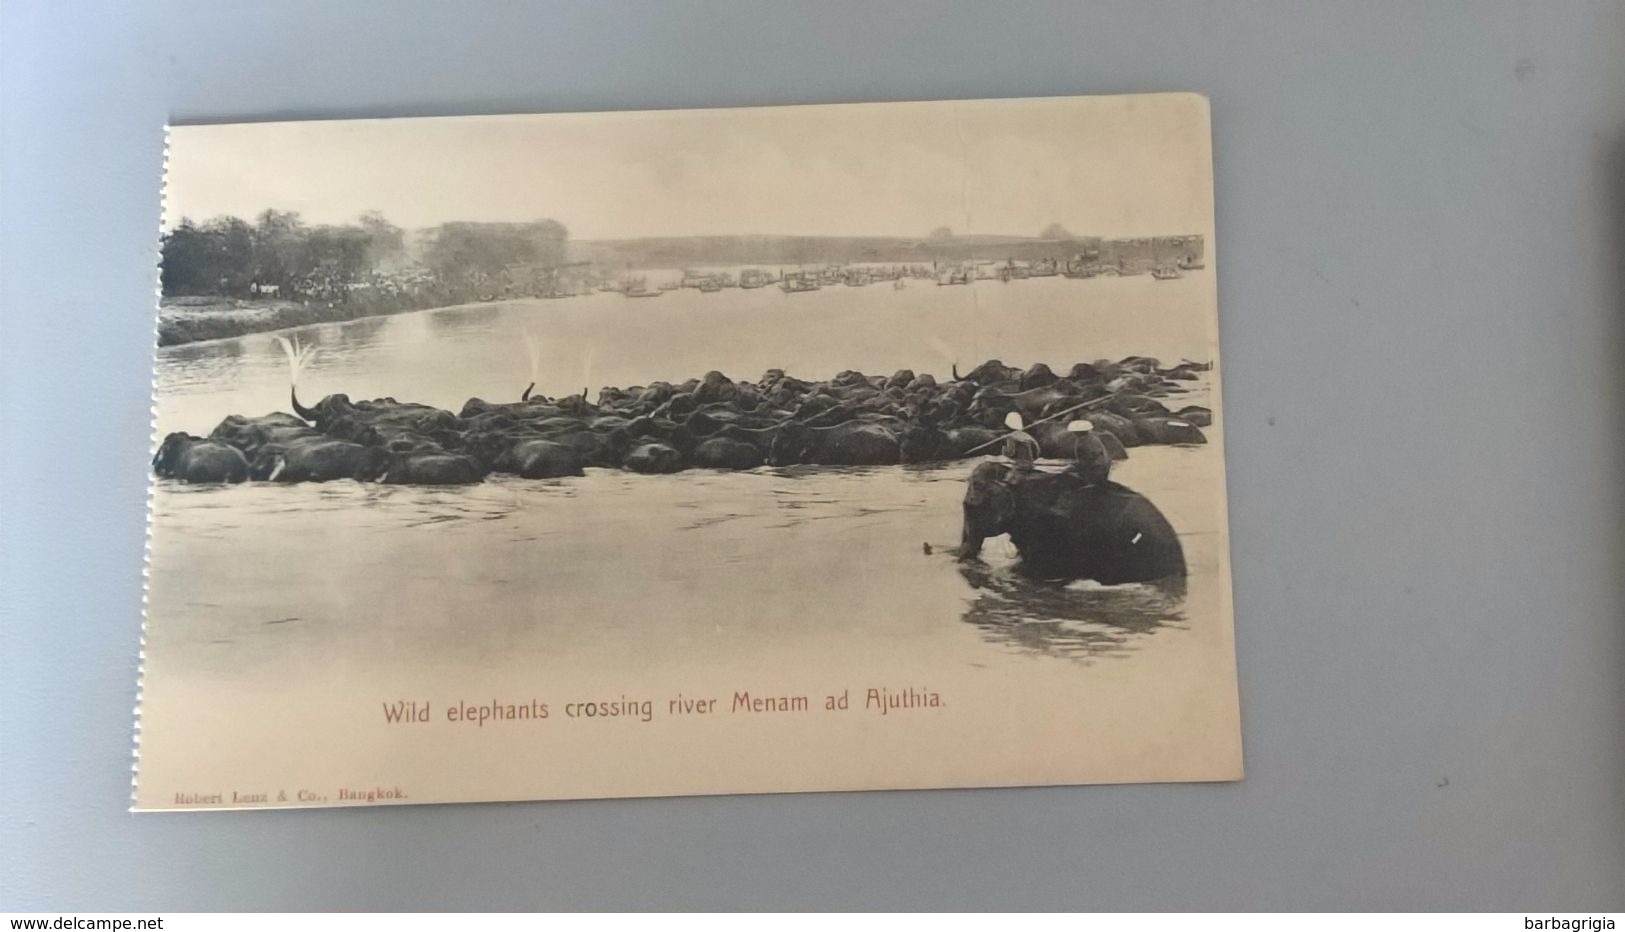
(1013, 421)
(1081, 426)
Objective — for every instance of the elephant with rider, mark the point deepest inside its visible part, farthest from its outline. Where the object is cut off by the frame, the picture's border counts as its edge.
(1070, 525)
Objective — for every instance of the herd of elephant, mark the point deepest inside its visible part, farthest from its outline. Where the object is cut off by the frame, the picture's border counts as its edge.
(708, 423)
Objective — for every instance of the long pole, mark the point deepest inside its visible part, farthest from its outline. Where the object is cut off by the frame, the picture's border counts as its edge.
(1092, 401)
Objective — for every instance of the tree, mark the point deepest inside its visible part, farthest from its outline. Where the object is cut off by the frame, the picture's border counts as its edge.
(385, 240)
(550, 236)
(483, 252)
(185, 260)
(1055, 231)
(941, 233)
(332, 258)
(212, 258)
(228, 256)
(279, 249)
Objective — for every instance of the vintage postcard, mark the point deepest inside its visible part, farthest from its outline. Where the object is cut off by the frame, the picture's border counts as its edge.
(688, 452)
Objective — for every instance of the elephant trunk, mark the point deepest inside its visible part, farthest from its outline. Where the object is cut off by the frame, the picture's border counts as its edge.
(299, 409)
(989, 503)
(970, 543)
(528, 389)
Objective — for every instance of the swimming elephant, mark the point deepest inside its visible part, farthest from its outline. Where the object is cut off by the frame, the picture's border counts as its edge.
(1115, 424)
(1184, 372)
(854, 443)
(1145, 365)
(381, 421)
(725, 453)
(966, 441)
(1114, 447)
(989, 406)
(318, 459)
(654, 458)
(850, 419)
(1130, 403)
(428, 468)
(1067, 527)
(1168, 430)
(194, 459)
(711, 420)
(540, 459)
(1055, 442)
(715, 387)
(248, 434)
(919, 443)
(607, 449)
(1083, 373)
(1196, 414)
(1037, 376)
(761, 438)
(992, 372)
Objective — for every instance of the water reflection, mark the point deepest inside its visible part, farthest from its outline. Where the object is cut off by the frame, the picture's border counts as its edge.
(1078, 620)
(220, 351)
(364, 328)
(474, 317)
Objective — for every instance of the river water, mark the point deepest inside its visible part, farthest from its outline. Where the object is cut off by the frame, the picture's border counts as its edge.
(299, 609)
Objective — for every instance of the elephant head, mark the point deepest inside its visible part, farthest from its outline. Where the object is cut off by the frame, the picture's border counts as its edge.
(193, 459)
(576, 405)
(791, 445)
(920, 443)
(166, 462)
(990, 504)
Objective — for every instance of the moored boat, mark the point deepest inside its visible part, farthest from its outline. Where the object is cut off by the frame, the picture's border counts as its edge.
(639, 288)
(795, 282)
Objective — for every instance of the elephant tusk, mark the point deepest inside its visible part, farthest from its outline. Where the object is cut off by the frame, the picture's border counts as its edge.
(281, 464)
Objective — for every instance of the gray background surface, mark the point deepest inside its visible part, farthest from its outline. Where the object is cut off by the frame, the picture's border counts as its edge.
(1421, 212)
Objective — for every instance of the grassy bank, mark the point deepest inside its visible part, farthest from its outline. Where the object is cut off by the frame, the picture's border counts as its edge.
(190, 319)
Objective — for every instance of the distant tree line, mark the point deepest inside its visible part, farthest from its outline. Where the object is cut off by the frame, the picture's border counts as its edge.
(942, 244)
(486, 253)
(279, 254)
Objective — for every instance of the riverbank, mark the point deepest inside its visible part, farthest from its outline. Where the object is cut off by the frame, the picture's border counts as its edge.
(193, 319)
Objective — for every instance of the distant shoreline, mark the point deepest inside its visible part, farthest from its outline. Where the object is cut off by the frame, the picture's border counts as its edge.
(201, 319)
(188, 319)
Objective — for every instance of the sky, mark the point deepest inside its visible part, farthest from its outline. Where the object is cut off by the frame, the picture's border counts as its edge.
(1107, 166)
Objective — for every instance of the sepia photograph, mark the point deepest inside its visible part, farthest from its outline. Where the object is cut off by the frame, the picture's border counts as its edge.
(819, 448)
